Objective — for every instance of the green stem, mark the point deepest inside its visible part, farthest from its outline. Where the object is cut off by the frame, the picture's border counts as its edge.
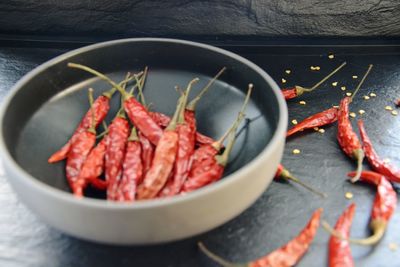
(217, 258)
(105, 125)
(172, 124)
(111, 92)
(288, 176)
(358, 154)
(102, 134)
(223, 159)
(141, 85)
(362, 81)
(193, 103)
(92, 128)
(315, 86)
(181, 116)
(133, 136)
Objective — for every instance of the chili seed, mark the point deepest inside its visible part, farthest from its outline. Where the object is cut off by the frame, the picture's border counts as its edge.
(296, 151)
(352, 114)
(331, 56)
(315, 68)
(294, 122)
(302, 102)
(393, 246)
(366, 97)
(334, 83)
(348, 195)
(394, 112)
(386, 160)
(389, 108)
(283, 80)
(354, 76)
(348, 93)
(361, 111)
(343, 88)
(372, 95)
(321, 130)
(335, 106)
(316, 129)
(288, 71)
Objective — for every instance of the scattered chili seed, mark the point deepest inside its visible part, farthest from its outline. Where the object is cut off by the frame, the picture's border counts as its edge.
(372, 95)
(366, 97)
(316, 129)
(335, 106)
(393, 246)
(389, 108)
(348, 93)
(283, 80)
(288, 71)
(352, 114)
(343, 88)
(361, 111)
(315, 68)
(321, 130)
(302, 102)
(354, 76)
(331, 56)
(394, 112)
(294, 122)
(334, 83)
(296, 151)
(348, 195)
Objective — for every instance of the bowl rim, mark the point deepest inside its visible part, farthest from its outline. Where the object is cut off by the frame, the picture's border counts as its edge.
(153, 203)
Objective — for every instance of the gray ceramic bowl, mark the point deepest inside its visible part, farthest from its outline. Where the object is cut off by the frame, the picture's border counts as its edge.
(44, 107)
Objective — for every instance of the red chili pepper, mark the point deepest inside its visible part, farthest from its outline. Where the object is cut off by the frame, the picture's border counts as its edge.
(93, 167)
(290, 93)
(323, 118)
(147, 153)
(207, 167)
(132, 169)
(383, 208)
(339, 249)
(118, 135)
(164, 155)
(389, 171)
(80, 148)
(286, 256)
(283, 173)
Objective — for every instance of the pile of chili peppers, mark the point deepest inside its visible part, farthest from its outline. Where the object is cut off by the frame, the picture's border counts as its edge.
(144, 154)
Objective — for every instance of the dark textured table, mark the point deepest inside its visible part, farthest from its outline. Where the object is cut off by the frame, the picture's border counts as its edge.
(282, 210)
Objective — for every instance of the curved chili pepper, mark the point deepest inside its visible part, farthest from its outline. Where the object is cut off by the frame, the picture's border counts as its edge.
(383, 208)
(339, 249)
(208, 169)
(293, 92)
(286, 256)
(118, 135)
(147, 153)
(132, 169)
(389, 171)
(93, 167)
(283, 173)
(164, 155)
(322, 118)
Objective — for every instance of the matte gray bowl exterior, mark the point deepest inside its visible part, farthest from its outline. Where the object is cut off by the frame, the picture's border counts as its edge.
(152, 221)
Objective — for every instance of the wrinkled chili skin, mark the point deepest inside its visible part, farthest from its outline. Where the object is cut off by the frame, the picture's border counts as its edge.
(208, 173)
(160, 118)
(132, 172)
(80, 149)
(389, 171)
(289, 93)
(100, 107)
(93, 166)
(147, 153)
(347, 138)
(161, 167)
(142, 120)
(289, 254)
(323, 118)
(279, 172)
(118, 136)
(339, 249)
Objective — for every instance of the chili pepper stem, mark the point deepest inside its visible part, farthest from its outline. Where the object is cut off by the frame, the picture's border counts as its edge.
(140, 86)
(111, 92)
(315, 86)
(102, 134)
(358, 154)
(92, 128)
(361, 82)
(180, 118)
(217, 258)
(192, 104)
(133, 136)
(288, 176)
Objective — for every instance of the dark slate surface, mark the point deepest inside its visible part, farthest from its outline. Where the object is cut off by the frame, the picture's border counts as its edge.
(281, 211)
(201, 18)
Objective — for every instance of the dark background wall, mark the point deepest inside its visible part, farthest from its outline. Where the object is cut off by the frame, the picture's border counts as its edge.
(204, 19)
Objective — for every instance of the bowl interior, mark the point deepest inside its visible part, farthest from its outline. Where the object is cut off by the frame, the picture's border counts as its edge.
(49, 103)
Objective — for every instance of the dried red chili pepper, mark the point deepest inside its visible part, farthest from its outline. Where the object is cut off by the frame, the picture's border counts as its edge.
(319, 119)
(164, 155)
(136, 112)
(132, 168)
(347, 138)
(283, 173)
(147, 152)
(80, 148)
(286, 256)
(101, 107)
(383, 208)
(207, 166)
(339, 249)
(389, 171)
(293, 92)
